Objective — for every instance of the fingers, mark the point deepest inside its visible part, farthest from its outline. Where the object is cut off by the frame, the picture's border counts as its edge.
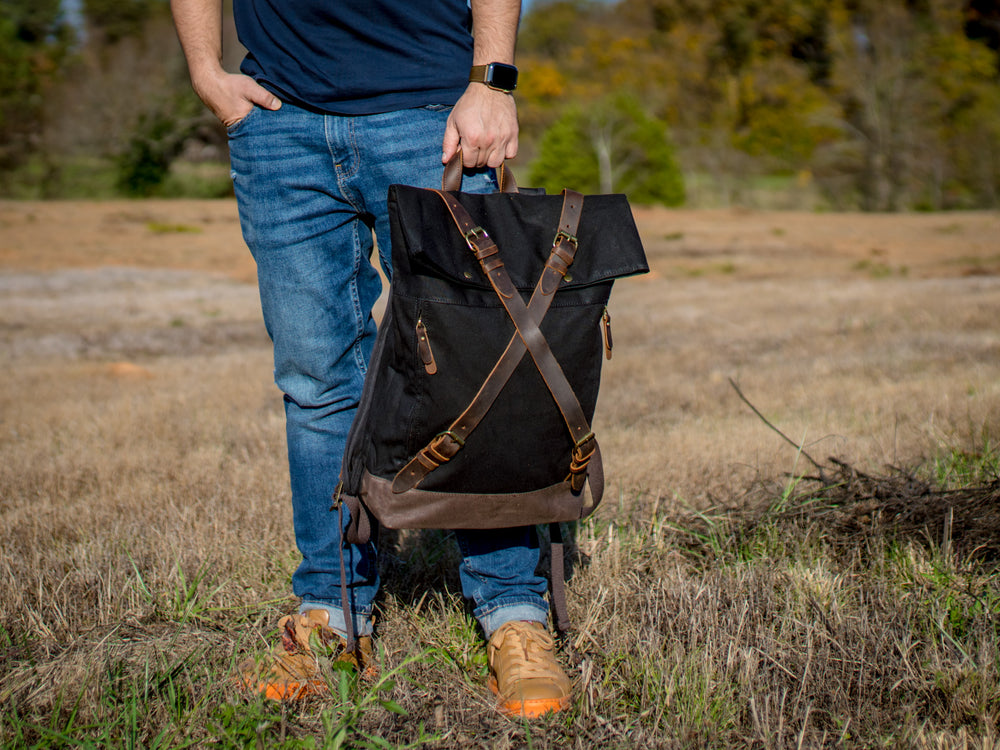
(262, 97)
(451, 140)
(484, 125)
(232, 96)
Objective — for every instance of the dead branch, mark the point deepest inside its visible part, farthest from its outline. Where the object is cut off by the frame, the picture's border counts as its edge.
(798, 447)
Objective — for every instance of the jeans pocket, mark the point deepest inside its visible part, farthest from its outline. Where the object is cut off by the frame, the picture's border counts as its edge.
(237, 127)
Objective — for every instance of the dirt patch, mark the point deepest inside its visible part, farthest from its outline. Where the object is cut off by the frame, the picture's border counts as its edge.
(187, 235)
(792, 244)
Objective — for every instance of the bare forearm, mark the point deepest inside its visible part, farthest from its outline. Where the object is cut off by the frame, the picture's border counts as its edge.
(494, 24)
(229, 96)
(483, 124)
(199, 28)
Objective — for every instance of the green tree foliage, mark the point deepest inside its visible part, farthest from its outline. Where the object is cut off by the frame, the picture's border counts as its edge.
(33, 42)
(914, 92)
(611, 147)
(114, 20)
(887, 104)
(114, 108)
(884, 104)
(155, 142)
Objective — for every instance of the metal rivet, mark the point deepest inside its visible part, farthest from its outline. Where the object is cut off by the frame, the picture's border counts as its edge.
(467, 274)
(568, 277)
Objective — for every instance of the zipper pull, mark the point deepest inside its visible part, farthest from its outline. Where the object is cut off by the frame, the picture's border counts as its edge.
(424, 348)
(608, 343)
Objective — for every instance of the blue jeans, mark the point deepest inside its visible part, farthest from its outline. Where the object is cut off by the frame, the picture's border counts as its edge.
(311, 190)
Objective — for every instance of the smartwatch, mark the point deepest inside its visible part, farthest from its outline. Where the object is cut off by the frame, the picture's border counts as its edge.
(497, 76)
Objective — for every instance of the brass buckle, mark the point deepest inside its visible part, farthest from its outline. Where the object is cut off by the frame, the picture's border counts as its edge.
(440, 450)
(337, 496)
(472, 235)
(581, 457)
(564, 235)
(452, 435)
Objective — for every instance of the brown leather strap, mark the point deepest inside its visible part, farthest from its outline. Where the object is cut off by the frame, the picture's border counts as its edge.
(358, 531)
(452, 178)
(487, 252)
(445, 446)
(558, 578)
(345, 601)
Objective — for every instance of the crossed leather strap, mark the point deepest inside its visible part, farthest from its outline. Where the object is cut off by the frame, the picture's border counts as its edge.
(527, 319)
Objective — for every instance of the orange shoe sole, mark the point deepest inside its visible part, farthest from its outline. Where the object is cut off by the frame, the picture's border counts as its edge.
(292, 690)
(529, 709)
(284, 691)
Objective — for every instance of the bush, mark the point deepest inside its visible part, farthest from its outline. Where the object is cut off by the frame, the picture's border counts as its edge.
(612, 147)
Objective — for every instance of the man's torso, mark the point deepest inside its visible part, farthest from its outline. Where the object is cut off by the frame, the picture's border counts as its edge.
(357, 56)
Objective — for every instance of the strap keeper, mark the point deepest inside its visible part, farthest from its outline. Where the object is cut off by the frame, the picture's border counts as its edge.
(564, 255)
(424, 459)
(445, 445)
(583, 451)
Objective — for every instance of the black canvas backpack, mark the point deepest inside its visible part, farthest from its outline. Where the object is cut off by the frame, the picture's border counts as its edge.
(482, 384)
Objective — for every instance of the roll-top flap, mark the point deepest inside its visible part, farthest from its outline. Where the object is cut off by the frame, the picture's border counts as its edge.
(523, 227)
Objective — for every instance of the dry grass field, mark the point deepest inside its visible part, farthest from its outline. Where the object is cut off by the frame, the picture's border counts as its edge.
(720, 598)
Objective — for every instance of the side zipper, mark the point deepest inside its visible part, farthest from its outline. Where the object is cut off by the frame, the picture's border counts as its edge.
(606, 326)
(424, 348)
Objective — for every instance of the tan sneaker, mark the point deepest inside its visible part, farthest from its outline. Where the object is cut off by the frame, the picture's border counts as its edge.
(292, 671)
(524, 672)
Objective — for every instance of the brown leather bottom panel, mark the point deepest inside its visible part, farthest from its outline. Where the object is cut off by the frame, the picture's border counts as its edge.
(423, 509)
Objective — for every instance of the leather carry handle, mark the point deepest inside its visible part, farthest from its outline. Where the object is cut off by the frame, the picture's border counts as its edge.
(452, 178)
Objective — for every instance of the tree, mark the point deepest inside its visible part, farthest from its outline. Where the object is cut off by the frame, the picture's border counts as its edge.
(115, 20)
(613, 146)
(912, 88)
(126, 102)
(34, 40)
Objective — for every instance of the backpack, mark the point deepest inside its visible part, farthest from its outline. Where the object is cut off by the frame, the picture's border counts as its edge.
(483, 380)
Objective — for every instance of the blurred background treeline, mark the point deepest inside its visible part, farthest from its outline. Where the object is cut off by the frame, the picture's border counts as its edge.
(878, 105)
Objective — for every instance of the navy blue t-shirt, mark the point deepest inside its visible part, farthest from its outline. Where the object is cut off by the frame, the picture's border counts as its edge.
(357, 57)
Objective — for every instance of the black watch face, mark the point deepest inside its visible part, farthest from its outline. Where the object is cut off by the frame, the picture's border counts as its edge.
(502, 77)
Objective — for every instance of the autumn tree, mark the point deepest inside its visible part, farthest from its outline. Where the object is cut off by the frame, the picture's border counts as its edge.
(889, 104)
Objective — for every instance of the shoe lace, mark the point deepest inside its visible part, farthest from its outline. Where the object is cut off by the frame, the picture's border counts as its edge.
(527, 652)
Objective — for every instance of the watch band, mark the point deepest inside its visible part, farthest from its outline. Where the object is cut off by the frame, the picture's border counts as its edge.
(498, 76)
